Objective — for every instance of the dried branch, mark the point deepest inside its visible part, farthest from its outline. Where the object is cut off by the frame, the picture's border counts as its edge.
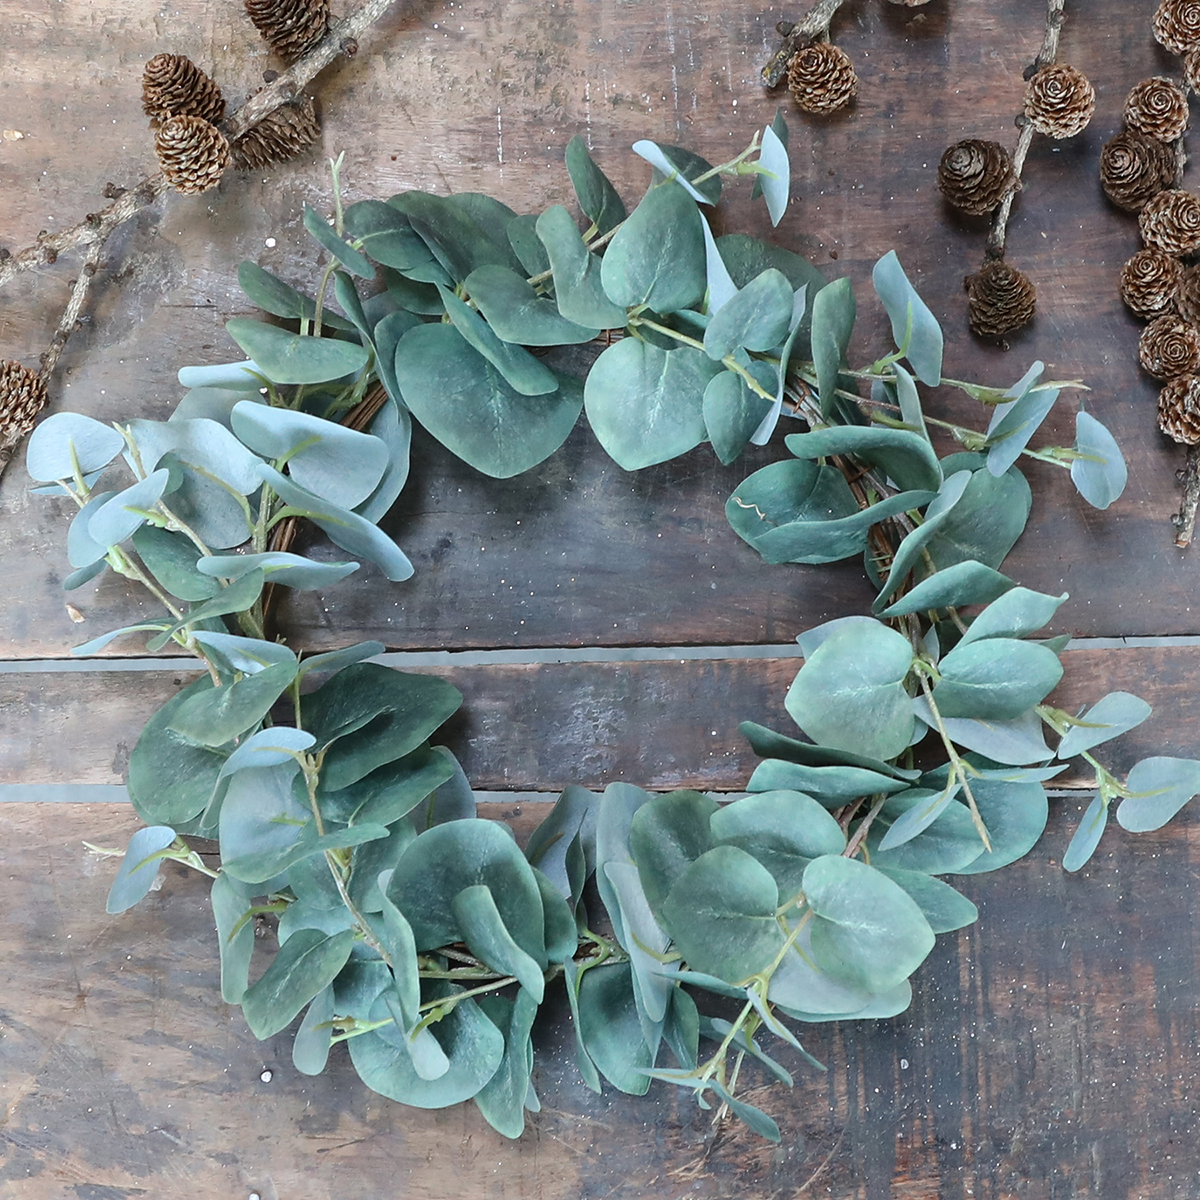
(1185, 519)
(813, 28)
(66, 324)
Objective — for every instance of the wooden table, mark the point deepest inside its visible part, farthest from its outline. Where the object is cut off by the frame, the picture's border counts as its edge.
(1052, 1050)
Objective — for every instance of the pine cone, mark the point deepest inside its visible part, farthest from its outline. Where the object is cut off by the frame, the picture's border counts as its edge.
(1133, 168)
(280, 135)
(821, 78)
(192, 153)
(1170, 221)
(1150, 283)
(22, 397)
(1169, 346)
(173, 86)
(291, 27)
(1157, 107)
(999, 299)
(1191, 69)
(1179, 410)
(1187, 299)
(1177, 25)
(975, 176)
(1060, 101)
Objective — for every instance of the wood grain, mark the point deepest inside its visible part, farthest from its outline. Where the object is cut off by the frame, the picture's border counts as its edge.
(539, 727)
(1052, 1051)
(484, 95)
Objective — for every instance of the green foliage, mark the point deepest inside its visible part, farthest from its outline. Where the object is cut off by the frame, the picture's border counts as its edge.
(423, 935)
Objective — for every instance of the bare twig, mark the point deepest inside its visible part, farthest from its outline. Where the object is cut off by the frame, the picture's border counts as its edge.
(812, 28)
(1047, 55)
(1185, 519)
(66, 324)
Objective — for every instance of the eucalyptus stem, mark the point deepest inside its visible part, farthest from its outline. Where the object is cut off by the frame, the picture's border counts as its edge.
(813, 27)
(1047, 55)
(860, 834)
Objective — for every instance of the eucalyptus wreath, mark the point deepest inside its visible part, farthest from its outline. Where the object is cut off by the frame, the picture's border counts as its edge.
(423, 936)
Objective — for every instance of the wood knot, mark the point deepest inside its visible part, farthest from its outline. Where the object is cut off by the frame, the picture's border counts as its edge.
(113, 192)
(349, 47)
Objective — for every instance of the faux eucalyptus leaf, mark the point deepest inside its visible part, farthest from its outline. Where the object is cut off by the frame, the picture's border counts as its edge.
(278, 566)
(1160, 787)
(732, 412)
(324, 233)
(986, 521)
(518, 314)
(306, 964)
(995, 678)
(64, 442)
(1108, 718)
(173, 560)
(291, 358)
(1013, 424)
(1017, 742)
(597, 197)
(268, 748)
(964, 583)
(768, 744)
(280, 299)
(907, 458)
(139, 867)
(945, 909)
(578, 290)
(1016, 613)
(1015, 815)
(756, 318)
(231, 901)
(914, 327)
(830, 786)
(123, 514)
(1087, 835)
(385, 234)
(833, 314)
(1100, 477)
(82, 548)
(776, 179)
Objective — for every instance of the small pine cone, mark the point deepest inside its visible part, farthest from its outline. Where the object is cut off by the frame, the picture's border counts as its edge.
(1133, 168)
(1191, 69)
(1176, 25)
(1150, 283)
(999, 299)
(1059, 101)
(291, 27)
(192, 153)
(22, 397)
(1179, 410)
(1169, 346)
(1157, 107)
(280, 135)
(1170, 221)
(1187, 300)
(173, 86)
(975, 175)
(821, 78)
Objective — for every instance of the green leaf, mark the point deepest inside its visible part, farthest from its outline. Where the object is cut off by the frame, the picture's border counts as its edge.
(121, 516)
(235, 597)
(1013, 424)
(343, 527)
(732, 413)
(291, 358)
(66, 440)
(82, 549)
(597, 197)
(368, 715)
(171, 558)
(1160, 787)
(776, 183)
(243, 655)
(470, 408)
(494, 218)
(754, 1118)
(239, 376)
(907, 458)
(782, 830)
(829, 786)
(1108, 718)
(768, 744)
(373, 862)
(1098, 482)
(218, 716)
(850, 694)
(720, 913)
(1015, 815)
(747, 257)
(995, 679)
(338, 464)
(926, 805)
(326, 236)
(868, 932)
(280, 299)
(914, 327)
(609, 1028)
(230, 902)
(522, 237)
(306, 964)
(950, 843)
(268, 748)
(560, 930)
(388, 333)
(1013, 615)
(964, 583)
(520, 369)
(310, 1047)
(385, 234)
(1087, 835)
(393, 790)
(347, 656)
(756, 318)
(518, 314)
(484, 932)
(988, 519)
(444, 860)
(261, 820)
(171, 781)
(909, 399)
(657, 257)
(578, 290)
(502, 1099)
(833, 313)
(646, 405)
(676, 163)
(458, 242)
(1018, 742)
(548, 848)
(945, 909)
(139, 867)
(666, 836)
(277, 566)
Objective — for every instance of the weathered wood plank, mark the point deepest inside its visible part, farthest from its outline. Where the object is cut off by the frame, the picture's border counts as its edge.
(1050, 1052)
(484, 96)
(539, 727)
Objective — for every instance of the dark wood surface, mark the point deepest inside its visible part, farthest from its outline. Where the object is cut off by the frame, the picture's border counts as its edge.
(1052, 1050)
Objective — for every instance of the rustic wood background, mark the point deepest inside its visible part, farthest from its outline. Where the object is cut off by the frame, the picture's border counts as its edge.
(1053, 1050)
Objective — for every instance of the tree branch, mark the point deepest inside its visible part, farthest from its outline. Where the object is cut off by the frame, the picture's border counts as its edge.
(812, 28)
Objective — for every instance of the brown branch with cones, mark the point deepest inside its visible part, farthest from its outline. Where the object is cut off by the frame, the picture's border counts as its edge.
(20, 403)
